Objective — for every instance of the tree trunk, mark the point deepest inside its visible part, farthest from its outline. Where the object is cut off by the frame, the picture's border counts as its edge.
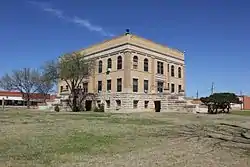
(28, 102)
(228, 108)
(216, 110)
(74, 102)
(44, 98)
(3, 104)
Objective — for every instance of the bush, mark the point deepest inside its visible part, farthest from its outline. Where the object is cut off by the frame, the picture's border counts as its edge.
(76, 109)
(57, 109)
(100, 109)
(96, 109)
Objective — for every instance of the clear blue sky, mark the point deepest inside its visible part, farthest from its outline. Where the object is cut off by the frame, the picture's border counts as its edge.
(215, 34)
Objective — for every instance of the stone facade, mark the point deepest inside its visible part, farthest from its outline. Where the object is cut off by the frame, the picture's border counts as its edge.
(148, 72)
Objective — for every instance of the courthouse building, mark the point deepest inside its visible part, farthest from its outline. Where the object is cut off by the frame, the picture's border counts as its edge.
(134, 74)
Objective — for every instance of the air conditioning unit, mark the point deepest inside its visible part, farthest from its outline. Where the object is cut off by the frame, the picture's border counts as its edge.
(146, 91)
(109, 69)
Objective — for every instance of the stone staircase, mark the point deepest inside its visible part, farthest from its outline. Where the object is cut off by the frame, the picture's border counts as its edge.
(179, 103)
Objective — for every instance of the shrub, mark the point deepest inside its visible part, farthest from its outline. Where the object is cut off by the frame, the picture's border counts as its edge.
(96, 109)
(57, 109)
(100, 109)
(76, 109)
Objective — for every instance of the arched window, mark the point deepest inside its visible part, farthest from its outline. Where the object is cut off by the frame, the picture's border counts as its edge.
(119, 62)
(100, 67)
(146, 64)
(172, 71)
(135, 62)
(109, 63)
(179, 72)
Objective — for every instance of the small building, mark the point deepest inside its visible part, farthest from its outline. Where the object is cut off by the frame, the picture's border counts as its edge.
(142, 75)
(11, 98)
(245, 102)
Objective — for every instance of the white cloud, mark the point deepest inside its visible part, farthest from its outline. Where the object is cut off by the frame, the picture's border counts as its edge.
(56, 12)
(91, 27)
(76, 20)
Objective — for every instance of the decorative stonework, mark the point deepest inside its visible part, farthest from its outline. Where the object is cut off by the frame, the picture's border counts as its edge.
(167, 101)
(127, 46)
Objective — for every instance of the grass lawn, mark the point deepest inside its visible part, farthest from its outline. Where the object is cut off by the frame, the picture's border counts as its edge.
(241, 112)
(37, 138)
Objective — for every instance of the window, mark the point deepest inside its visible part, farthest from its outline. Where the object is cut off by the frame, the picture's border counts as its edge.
(160, 86)
(135, 62)
(109, 85)
(179, 88)
(172, 71)
(85, 87)
(108, 103)
(145, 86)
(67, 87)
(135, 103)
(61, 88)
(179, 72)
(172, 88)
(135, 85)
(100, 66)
(168, 67)
(118, 103)
(99, 86)
(119, 85)
(168, 86)
(146, 64)
(109, 63)
(119, 62)
(160, 67)
(146, 104)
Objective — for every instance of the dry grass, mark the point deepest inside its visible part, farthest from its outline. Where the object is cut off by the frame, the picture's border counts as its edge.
(241, 112)
(33, 138)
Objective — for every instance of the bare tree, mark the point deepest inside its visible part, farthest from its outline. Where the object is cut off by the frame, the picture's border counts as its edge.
(71, 69)
(44, 86)
(23, 80)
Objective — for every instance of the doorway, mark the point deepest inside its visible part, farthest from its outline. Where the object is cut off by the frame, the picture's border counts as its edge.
(88, 105)
(157, 106)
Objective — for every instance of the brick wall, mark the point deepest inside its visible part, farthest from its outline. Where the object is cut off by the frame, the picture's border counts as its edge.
(246, 103)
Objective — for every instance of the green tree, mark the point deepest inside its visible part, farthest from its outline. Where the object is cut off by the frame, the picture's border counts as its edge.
(221, 101)
(72, 69)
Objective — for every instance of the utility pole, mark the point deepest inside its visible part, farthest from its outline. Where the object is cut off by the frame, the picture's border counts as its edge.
(212, 88)
(197, 94)
(242, 104)
(240, 93)
(3, 104)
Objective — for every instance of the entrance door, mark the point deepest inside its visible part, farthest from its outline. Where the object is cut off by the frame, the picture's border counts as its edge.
(157, 106)
(88, 105)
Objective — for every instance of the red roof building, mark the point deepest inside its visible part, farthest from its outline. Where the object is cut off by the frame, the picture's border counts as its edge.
(17, 98)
